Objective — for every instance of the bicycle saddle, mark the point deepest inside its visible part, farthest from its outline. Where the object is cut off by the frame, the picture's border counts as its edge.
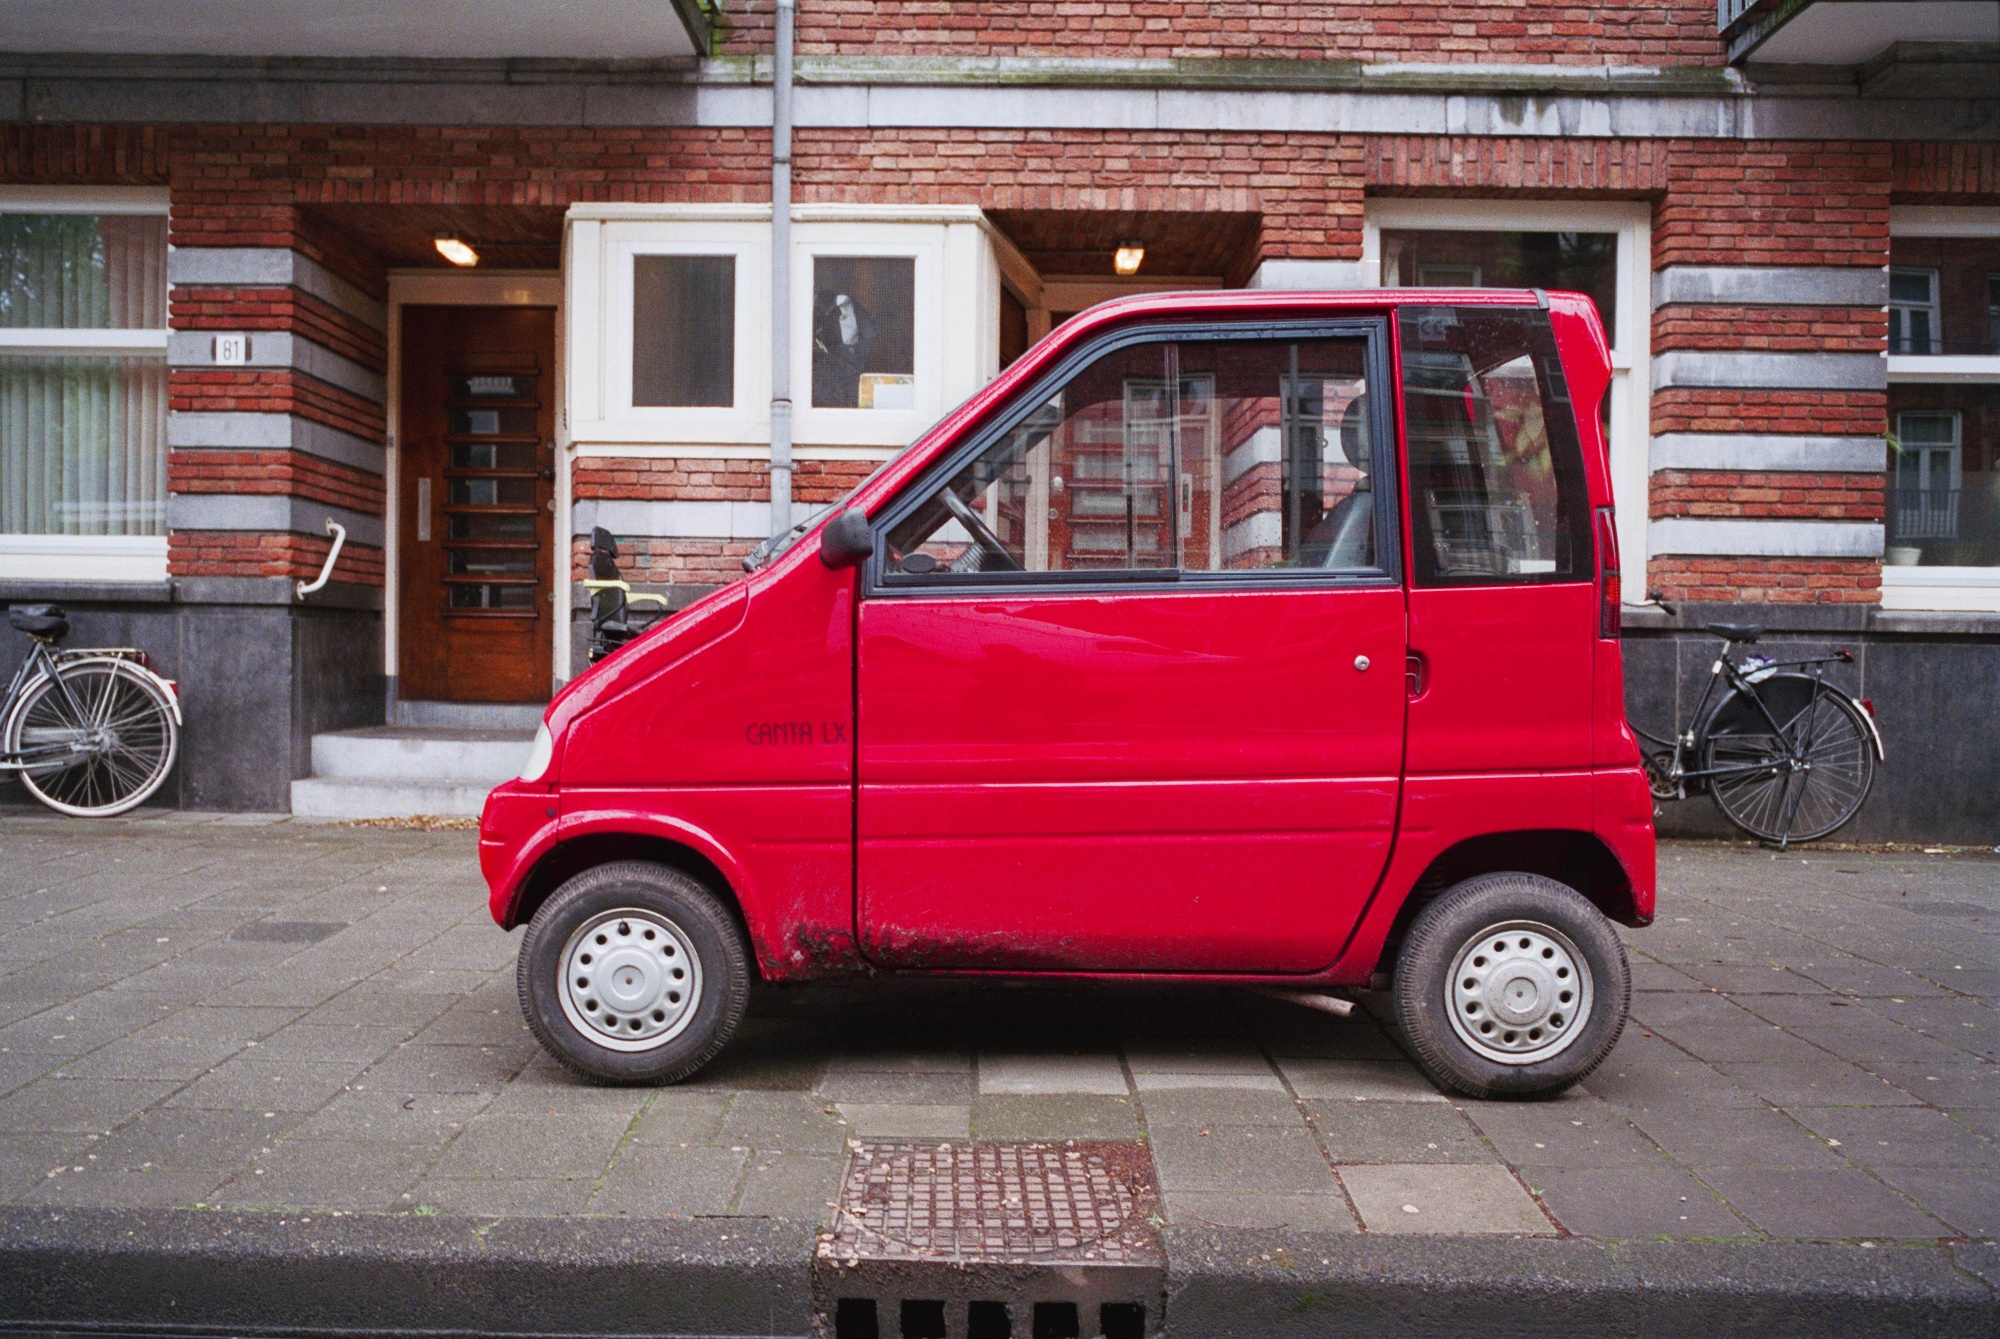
(1735, 632)
(40, 620)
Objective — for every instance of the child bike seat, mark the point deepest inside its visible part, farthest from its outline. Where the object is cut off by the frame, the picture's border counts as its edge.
(1735, 632)
(40, 620)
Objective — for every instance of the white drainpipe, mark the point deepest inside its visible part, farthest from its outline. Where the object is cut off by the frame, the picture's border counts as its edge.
(781, 275)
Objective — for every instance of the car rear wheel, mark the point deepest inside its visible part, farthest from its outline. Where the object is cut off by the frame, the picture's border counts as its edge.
(1511, 985)
(633, 973)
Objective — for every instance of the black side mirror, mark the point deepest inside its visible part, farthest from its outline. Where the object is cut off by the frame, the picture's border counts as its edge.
(847, 540)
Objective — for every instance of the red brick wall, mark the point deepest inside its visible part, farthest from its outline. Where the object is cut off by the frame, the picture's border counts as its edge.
(1767, 580)
(90, 155)
(1516, 32)
(275, 391)
(1797, 202)
(292, 473)
(278, 309)
(1775, 495)
(1519, 166)
(1789, 329)
(1959, 173)
(213, 553)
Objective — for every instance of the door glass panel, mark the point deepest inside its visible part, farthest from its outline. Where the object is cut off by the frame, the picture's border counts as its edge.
(684, 331)
(864, 332)
(493, 455)
(493, 492)
(477, 595)
(501, 422)
(492, 562)
(1198, 456)
(493, 525)
(1497, 489)
(491, 386)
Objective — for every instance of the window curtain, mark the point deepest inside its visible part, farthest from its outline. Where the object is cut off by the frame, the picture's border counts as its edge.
(82, 437)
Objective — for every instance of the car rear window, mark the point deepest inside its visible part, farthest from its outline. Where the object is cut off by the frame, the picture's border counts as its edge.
(1497, 490)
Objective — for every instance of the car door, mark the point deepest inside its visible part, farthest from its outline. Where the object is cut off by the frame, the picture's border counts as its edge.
(1503, 603)
(1130, 689)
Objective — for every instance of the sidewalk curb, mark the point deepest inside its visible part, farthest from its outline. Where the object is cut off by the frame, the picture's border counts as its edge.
(270, 1273)
(201, 1272)
(1278, 1284)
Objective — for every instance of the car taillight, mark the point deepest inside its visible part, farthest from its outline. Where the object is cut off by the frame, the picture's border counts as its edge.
(1609, 591)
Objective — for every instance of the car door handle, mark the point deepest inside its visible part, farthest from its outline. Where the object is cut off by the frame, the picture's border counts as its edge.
(1417, 674)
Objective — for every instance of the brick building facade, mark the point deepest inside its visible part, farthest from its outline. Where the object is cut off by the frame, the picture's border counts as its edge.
(1795, 243)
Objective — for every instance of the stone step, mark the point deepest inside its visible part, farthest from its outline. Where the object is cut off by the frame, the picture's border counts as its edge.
(470, 715)
(421, 753)
(376, 797)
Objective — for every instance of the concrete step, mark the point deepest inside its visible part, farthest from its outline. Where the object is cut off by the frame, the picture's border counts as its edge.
(421, 753)
(374, 797)
(471, 715)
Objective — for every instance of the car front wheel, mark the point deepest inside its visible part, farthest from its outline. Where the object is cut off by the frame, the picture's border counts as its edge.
(1511, 985)
(633, 973)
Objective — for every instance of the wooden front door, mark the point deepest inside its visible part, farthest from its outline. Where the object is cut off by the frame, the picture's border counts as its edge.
(477, 439)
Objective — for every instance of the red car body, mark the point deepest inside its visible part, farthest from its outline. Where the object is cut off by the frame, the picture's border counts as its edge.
(1153, 782)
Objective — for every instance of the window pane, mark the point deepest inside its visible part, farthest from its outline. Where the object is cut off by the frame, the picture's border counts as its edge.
(1276, 457)
(1943, 508)
(83, 271)
(1582, 262)
(864, 332)
(684, 331)
(1239, 455)
(1496, 476)
(83, 446)
(1944, 289)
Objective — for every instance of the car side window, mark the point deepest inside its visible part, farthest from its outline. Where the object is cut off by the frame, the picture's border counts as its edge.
(1163, 458)
(1497, 491)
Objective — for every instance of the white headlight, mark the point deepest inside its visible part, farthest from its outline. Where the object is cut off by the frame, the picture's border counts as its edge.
(540, 755)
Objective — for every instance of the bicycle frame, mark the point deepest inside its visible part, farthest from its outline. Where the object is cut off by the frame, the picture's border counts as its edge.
(1727, 672)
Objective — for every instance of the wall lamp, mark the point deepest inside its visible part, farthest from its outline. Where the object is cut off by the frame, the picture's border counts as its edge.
(456, 251)
(1129, 258)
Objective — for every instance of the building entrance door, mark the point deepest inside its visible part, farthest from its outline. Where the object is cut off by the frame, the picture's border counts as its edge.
(477, 442)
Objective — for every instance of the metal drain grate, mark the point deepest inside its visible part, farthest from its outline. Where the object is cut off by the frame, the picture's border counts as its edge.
(992, 1241)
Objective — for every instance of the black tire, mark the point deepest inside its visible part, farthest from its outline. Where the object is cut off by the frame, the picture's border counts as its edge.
(1522, 910)
(662, 922)
(1782, 805)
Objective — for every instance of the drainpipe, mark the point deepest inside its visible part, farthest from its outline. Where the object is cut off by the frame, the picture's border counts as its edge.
(781, 274)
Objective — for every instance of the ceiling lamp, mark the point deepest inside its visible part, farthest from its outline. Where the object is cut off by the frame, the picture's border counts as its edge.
(455, 251)
(1129, 258)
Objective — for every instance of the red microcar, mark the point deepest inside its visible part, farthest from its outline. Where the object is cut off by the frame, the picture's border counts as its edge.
(1256, 638)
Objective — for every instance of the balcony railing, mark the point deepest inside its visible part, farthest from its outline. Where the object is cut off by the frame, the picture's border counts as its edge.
(1925, 513)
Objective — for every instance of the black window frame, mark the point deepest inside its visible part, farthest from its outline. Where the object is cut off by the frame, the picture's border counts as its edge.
(1375, 329)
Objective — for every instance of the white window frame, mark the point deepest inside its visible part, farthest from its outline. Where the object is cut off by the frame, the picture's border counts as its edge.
(84, 558)
(1631, 339)
(1952, 589)
(1929, 306)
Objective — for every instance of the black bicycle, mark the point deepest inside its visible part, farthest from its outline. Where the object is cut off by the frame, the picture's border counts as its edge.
(90, 732)
(1786, 756)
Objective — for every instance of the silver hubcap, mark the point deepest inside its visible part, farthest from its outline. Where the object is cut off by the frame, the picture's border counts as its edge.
(630, 980)
(1519, 992)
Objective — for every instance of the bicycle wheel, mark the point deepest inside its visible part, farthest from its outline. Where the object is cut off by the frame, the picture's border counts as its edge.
(116, 731)
(1804, 781)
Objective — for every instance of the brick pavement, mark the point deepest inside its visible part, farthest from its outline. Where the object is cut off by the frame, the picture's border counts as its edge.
(264, 1015)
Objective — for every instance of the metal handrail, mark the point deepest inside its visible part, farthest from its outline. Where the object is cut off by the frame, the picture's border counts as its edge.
(339, 533)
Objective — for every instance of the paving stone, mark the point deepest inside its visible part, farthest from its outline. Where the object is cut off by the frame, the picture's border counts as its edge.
(1817, 1083)
(1647, 1074)
(26, 1160)
(1148, 1061)
(1837, 1204)
(1565, 1134)
(1060, 1116)
(82, 1105)
(1432, 1198)
(328, 1174)
(899, 1060)
(1214, 1107)
(677, 1117)
(1820, 1011)
(1359, 1081)
(137, 1057)
(251, 1083)
(1302, 1213)
(868, 1120)
(1861, 978)
(1655, 1201)
(429, 1119)
(1753, 979)
(321, 1044)
(1406, 1132)
(1757, 1137)
(1956, 1085)
(504, 1198)
(1240, 1159)
(795, 1122)
(532, 1147)
(1027, 1075)
(897, 1089)
(1901, 1137)
(656, 1182)
(140, 1187)
(441, 1069)
(1966, 1198)
(1751, 1042)
(798, 1186)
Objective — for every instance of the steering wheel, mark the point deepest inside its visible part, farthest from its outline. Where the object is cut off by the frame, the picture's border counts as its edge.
(982, 534)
